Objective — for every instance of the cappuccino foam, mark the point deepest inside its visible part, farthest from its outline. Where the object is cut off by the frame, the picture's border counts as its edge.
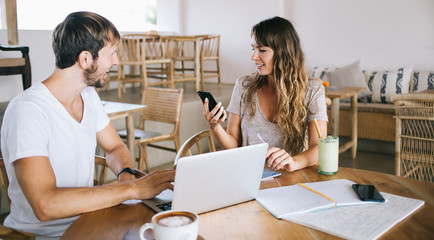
(175, 221)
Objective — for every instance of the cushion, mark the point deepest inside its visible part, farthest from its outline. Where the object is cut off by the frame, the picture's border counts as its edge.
(384, 84)
(422, 80)
(321, 72)
(350, 76)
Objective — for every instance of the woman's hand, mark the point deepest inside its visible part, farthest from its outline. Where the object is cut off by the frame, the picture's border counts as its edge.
(280, 159)
(216, 116)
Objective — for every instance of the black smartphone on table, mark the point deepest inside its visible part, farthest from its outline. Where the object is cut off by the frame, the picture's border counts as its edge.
(368, 193)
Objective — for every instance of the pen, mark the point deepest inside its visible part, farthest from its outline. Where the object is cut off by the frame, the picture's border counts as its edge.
(259, 136)
(323, 195)
(262, 140)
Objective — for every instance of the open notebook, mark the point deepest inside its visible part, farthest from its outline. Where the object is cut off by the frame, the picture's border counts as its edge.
(295, 199)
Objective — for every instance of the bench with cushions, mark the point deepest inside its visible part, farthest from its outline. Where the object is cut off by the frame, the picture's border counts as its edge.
(375, 107)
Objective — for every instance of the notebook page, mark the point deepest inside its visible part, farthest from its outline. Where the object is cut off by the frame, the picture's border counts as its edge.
(282, 201)
(361, 221)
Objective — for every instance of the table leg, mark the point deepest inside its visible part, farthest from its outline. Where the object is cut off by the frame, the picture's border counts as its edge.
(354, 125)
(334, 121)
(130, 135)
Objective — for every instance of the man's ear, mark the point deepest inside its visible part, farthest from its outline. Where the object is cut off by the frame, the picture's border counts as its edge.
(85, 59)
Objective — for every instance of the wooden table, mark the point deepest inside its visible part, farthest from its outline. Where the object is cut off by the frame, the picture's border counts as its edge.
(336, 96)
(251, 221)
(117, 110)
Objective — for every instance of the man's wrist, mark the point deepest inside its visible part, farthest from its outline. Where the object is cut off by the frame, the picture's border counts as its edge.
(128, 170)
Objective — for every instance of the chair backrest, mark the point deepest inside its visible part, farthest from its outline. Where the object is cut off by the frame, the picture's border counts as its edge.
(185, 47)
(210, 46)
(141, 47)
(162, 105)
(17, 65)
(196, 140)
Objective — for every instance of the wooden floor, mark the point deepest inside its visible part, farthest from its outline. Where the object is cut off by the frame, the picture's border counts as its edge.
(371, 155)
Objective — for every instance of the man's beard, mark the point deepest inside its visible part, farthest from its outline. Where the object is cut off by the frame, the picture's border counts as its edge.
(91, 77)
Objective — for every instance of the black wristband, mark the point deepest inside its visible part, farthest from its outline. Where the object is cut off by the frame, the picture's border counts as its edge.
(128, 170)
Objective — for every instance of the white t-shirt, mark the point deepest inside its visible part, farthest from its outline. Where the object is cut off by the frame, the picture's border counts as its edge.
(269, 131)
(36, 124)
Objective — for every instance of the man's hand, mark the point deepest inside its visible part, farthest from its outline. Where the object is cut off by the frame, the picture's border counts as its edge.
(154, 183)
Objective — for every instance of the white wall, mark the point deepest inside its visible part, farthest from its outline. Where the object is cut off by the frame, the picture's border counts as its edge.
(233, 20)
(381, 33)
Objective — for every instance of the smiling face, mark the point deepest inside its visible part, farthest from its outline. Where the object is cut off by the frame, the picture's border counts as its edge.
(96, 74)
(263, 58)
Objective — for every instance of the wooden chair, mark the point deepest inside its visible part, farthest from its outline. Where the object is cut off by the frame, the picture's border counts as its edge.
(144, 52)
(100, 170)
(196, 140)
(164, 106)
(17, 65)
(186, 59)
(210, 52)
(112, 76)
(414, 139)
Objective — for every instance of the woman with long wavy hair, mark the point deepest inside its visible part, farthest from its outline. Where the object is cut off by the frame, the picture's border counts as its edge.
(278, 102)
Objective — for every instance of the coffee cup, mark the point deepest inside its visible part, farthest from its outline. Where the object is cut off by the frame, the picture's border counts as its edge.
(171, 225)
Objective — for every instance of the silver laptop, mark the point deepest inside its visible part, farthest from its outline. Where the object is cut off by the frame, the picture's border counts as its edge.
(214, 180)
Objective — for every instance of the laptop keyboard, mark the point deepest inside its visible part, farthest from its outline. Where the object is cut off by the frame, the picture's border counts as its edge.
(165, 206)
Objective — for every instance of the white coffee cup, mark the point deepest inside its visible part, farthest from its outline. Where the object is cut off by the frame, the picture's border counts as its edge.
(171, 225)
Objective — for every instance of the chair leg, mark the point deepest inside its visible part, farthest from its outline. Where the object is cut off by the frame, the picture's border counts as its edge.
(143, 160)
(218, 72)
(120, 75)
(201, 75)
(119, 90)
(170, 75)
(145, 78)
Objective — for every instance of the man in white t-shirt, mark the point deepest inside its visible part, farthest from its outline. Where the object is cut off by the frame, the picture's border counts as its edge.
(50, 132)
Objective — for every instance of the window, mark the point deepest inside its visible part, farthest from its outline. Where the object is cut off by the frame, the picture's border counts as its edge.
(126, 15)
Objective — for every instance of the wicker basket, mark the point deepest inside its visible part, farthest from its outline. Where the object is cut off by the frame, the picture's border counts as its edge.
(414, 140)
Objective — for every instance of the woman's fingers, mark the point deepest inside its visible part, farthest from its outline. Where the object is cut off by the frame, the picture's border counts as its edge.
(277, 158)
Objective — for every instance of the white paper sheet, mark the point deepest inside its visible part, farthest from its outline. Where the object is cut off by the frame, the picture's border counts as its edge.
(360, 221)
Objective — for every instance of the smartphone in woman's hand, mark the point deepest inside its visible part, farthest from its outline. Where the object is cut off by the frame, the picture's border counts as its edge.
(211, 101)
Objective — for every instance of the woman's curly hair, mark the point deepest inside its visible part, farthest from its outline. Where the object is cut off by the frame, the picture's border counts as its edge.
(290, 79)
